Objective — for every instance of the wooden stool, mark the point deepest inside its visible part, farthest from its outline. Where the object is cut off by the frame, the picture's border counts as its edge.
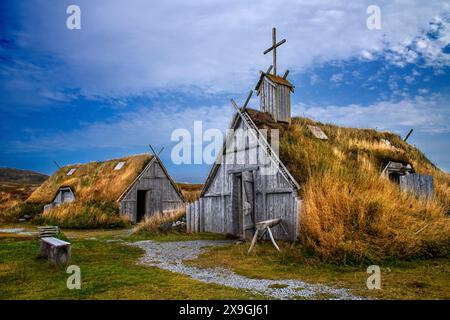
(57, 251)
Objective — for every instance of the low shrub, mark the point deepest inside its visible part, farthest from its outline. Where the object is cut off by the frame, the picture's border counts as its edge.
(156, 223)
(19, 210)
(84, 215)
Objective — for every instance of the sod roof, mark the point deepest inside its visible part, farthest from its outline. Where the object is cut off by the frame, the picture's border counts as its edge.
(93, 180)
(304, 155)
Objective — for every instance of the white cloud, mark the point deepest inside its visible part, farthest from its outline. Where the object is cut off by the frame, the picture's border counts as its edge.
(146, 125)
(135, 46)
(337, 77)
(429, 114)
(129, 129)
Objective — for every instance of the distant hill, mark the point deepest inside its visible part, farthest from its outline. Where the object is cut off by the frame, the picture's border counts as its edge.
(17, 176)
(16, 186)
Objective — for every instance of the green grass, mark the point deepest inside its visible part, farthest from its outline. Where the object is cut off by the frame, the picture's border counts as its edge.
(416, 279)
(108, 271)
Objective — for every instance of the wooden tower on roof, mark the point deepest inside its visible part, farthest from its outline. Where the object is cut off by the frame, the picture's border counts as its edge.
(274, 91)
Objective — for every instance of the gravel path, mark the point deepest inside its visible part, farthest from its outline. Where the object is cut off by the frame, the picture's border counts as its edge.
(20, 231)
(170, 256)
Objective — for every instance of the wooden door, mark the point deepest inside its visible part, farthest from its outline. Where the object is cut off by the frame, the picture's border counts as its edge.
(153, 202)
(248, 204)
(237, 205)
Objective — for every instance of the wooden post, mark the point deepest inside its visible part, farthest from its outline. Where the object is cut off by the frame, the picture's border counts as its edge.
(274, 42)
(274, 49)
(188, 218)
(195, 226)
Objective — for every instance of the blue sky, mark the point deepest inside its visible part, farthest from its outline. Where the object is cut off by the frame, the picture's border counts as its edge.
(137, 70)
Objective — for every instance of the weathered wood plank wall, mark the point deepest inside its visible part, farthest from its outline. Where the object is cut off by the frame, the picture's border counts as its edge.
(421, 185)
(161, 196)
(274, 196)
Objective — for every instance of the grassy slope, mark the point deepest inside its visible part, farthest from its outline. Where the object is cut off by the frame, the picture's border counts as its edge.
(108, 271)
(351, 213)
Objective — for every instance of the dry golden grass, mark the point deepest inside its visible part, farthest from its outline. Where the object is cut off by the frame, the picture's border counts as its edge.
(12, 194)
(152, 224)
(351, 213)
(8, 200)
(84, 215)
(191, 192)
(93, 181)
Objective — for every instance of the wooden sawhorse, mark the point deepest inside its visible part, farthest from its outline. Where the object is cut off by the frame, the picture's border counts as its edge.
(262, 227)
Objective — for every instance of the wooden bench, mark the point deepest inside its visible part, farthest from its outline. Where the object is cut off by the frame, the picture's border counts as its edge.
(48, 231)
(57, 251)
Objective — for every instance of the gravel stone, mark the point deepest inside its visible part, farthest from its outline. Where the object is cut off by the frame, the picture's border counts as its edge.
(20, 231)
(170, 256)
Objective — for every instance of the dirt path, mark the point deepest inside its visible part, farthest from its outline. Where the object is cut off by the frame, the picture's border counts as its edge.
(170, 256)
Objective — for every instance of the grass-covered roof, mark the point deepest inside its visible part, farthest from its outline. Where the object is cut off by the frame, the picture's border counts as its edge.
(94, 180)
(351, 212)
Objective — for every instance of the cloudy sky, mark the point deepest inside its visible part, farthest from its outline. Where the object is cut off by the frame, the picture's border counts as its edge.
(137, 70)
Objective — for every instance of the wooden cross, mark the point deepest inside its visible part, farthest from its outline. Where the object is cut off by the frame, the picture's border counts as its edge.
(274, 49)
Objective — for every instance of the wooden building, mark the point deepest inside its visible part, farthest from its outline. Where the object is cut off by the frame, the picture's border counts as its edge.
(421, 185)
(275, 96)
(152, 192)
(138, 185)
(248, 183)
(249, 186)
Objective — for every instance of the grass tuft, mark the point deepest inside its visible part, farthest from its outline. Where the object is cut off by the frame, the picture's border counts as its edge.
(84, 215)
(152, 225)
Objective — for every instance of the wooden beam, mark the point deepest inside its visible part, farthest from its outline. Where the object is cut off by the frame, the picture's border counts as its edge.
(277, 190)
(153, 150)
(247, 100)
(239, 170)
(407, 136)
(285, 74)
(57, 164)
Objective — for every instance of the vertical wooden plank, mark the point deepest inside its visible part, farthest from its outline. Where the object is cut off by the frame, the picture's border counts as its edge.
(188, 218)
(193, 217)
(201, 220)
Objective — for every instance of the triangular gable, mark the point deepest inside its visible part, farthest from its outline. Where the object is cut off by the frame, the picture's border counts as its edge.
(238, 116)
(273, 80)
(158, 160)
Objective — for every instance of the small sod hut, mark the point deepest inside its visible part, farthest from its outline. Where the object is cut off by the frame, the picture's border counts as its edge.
(137, 185)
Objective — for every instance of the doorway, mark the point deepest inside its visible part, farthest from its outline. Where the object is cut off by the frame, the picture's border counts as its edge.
(243, 205)
(140, 205)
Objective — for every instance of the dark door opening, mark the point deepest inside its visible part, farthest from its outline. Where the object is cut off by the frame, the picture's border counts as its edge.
(248, 203)
(237, 206)
(141, 199)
